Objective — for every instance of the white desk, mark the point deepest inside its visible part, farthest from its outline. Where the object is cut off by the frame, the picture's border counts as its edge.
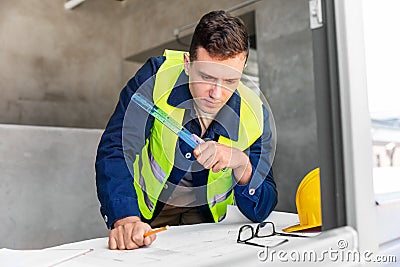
(196, 245)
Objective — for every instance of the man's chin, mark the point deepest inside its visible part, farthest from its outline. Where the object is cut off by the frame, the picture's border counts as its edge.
(210, 111)
(209, 108)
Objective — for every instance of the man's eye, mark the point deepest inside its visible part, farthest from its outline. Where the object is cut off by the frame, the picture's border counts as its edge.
(206, 77)
(230, 81)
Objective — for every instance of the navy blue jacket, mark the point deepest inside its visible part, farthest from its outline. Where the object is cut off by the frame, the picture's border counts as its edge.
(129, 127)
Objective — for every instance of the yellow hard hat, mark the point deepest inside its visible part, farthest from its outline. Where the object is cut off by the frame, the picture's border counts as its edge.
(308, 203)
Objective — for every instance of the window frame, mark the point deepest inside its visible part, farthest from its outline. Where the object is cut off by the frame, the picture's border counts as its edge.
(347, 183)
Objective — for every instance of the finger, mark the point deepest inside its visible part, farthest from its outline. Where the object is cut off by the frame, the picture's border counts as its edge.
(129, 244)
(209, 162)
(112, 243)
(147, 240)
(153, 237)
(199, 150)
(150, 239)
(206, 155)
(137, 236)
(218, 166)
(120, 238)
(209, 159)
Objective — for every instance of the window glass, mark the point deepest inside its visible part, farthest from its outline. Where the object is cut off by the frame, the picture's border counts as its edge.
(382, 48)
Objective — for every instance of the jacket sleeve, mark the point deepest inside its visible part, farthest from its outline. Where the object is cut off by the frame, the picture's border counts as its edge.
(258, 198)
(122, 139)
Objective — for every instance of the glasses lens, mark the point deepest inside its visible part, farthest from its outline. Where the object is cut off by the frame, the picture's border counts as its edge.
(245, 233)
(265, 229)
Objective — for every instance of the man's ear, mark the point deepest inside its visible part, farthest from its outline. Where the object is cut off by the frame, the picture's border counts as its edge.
(186, 60)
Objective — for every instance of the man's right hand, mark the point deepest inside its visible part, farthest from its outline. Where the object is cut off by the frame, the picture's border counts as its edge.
(128, 234)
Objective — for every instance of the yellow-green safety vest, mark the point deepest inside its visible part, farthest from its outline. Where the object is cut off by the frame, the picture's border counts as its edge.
(153, 166)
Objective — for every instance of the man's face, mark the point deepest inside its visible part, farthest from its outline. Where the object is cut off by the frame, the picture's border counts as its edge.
(213, 81)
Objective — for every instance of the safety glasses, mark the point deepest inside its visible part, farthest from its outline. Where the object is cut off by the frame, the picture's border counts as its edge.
(264, 229)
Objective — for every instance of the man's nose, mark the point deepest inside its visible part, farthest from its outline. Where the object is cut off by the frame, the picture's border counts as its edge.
(216, 91)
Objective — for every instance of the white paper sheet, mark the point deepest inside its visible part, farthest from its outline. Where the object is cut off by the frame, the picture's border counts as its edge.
(234, 216)
(280, 219)
(51, 257)
(197, 245)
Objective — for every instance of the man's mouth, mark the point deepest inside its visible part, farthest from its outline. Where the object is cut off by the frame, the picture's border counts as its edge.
(210, 103)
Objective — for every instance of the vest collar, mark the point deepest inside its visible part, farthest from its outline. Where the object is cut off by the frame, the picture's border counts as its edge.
(226, 123)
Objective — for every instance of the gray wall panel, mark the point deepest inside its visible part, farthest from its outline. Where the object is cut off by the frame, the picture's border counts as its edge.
(284, 48)
(48, 186)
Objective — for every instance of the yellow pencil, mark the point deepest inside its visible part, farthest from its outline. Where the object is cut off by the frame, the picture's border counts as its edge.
(156, 231)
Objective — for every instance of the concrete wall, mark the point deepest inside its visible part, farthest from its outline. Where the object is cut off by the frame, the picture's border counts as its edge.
(47, 189)
(284, 48)
(59, 67)
(66, 67)
(147, 24)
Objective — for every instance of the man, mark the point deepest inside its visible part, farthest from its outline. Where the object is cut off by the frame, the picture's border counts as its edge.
(148, 177)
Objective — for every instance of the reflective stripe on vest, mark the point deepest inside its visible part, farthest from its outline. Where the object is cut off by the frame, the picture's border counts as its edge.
(153, 167)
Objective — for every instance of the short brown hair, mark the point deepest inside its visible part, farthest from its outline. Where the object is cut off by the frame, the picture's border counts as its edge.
(221, 35)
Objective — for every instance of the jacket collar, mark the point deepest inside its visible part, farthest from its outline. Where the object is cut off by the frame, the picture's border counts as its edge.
(226, 123)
